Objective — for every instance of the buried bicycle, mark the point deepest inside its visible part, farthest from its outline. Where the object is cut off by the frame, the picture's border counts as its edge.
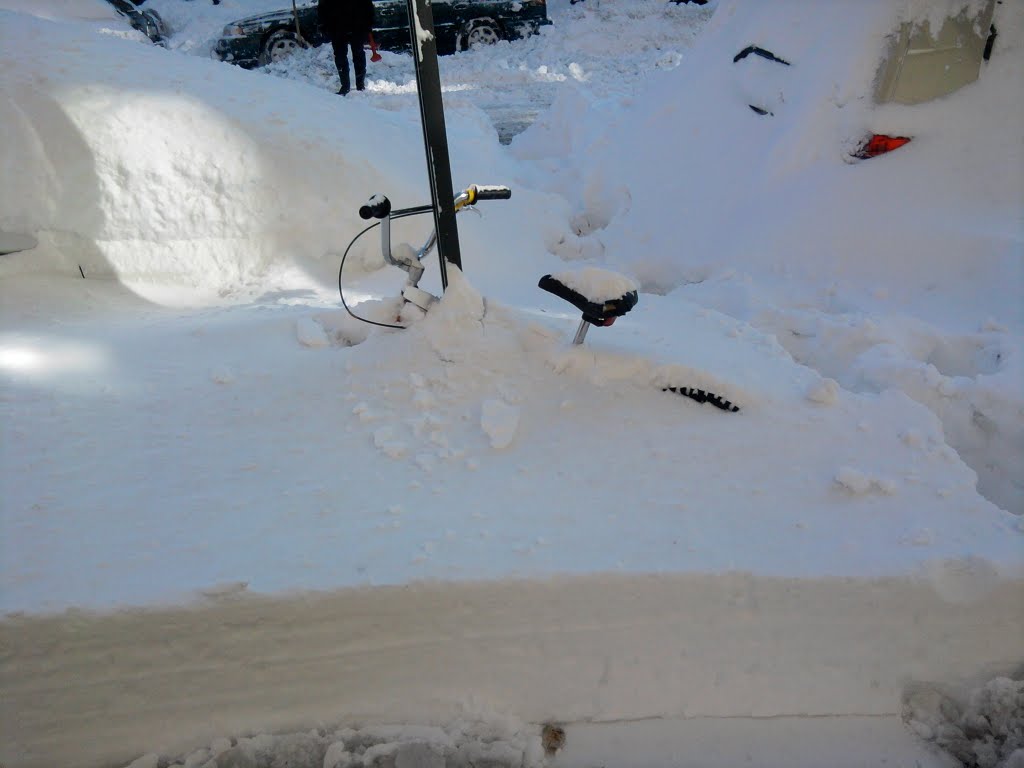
(601, 295)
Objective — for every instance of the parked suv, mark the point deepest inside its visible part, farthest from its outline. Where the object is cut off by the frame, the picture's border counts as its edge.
(261, 39)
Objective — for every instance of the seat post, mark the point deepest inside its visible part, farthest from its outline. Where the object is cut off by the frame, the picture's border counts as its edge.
(581, 332)
(599, 310)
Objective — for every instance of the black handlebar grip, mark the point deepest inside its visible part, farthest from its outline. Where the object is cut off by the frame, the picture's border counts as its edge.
(377, 207)
(488, 192)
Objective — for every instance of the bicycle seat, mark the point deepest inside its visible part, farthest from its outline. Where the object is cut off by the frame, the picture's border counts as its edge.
(599, 294)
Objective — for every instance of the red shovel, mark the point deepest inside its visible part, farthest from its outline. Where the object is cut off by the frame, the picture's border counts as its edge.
(374, 56)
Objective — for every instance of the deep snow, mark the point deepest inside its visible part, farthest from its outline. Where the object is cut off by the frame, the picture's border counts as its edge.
(190, 417)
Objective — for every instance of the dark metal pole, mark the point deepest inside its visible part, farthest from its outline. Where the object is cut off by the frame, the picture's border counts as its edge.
(435, 137)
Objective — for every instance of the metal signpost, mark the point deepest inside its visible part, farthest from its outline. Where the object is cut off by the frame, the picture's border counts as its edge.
(435, 137)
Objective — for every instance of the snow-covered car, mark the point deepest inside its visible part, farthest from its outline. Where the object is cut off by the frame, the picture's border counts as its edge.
(146, 21)
(925, 60)
(267, 37)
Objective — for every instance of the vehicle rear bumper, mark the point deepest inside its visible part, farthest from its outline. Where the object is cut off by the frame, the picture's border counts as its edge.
(237, 50)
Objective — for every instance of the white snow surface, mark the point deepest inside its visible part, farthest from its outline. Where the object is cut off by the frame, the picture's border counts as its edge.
(189, 417)
(596, 284)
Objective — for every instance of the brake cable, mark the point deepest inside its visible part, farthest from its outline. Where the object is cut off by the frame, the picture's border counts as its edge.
(341, 267)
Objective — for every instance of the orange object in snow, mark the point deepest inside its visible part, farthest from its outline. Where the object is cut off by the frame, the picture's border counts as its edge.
(879, 144)
(374, 56)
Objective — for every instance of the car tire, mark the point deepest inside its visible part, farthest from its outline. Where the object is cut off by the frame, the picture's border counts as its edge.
(279, 45)
(477, 33)
(155, 30)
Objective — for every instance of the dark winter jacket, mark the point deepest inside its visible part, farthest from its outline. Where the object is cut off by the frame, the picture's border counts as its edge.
(341, 18)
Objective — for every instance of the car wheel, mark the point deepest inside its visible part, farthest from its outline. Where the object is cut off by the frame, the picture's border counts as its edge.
(278, 46)
(155, 29)
(479, 32)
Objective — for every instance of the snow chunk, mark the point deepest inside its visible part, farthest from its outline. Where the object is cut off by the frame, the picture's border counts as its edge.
(859, 483)
(388, 443)
(596, 284)
(310, 333)
(461, 304)
(363, 412)
(422, 755)
(337, 756)
(854, 481)
(493, 753)
(824, 392)
(912, 438)
(222, 375)
(499, 421)
(988, 731)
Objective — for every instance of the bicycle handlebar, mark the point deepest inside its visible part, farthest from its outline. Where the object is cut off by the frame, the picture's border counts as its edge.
(377, 207)
(488, 192)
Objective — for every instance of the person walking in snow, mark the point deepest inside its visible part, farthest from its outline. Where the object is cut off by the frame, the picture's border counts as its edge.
(347, 24)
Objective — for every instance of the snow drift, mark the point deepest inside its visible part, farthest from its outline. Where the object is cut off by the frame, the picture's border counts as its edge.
(903, 272)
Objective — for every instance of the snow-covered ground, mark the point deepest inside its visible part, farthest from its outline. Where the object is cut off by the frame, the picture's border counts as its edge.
(231, 508)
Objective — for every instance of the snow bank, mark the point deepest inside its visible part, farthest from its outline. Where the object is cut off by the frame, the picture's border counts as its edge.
(461, 745)
(720, 650)
(184, 444)
(903, 272)
(775, 193)
(986, 731)
(354, 548)
(73, 10)
(208, 177)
